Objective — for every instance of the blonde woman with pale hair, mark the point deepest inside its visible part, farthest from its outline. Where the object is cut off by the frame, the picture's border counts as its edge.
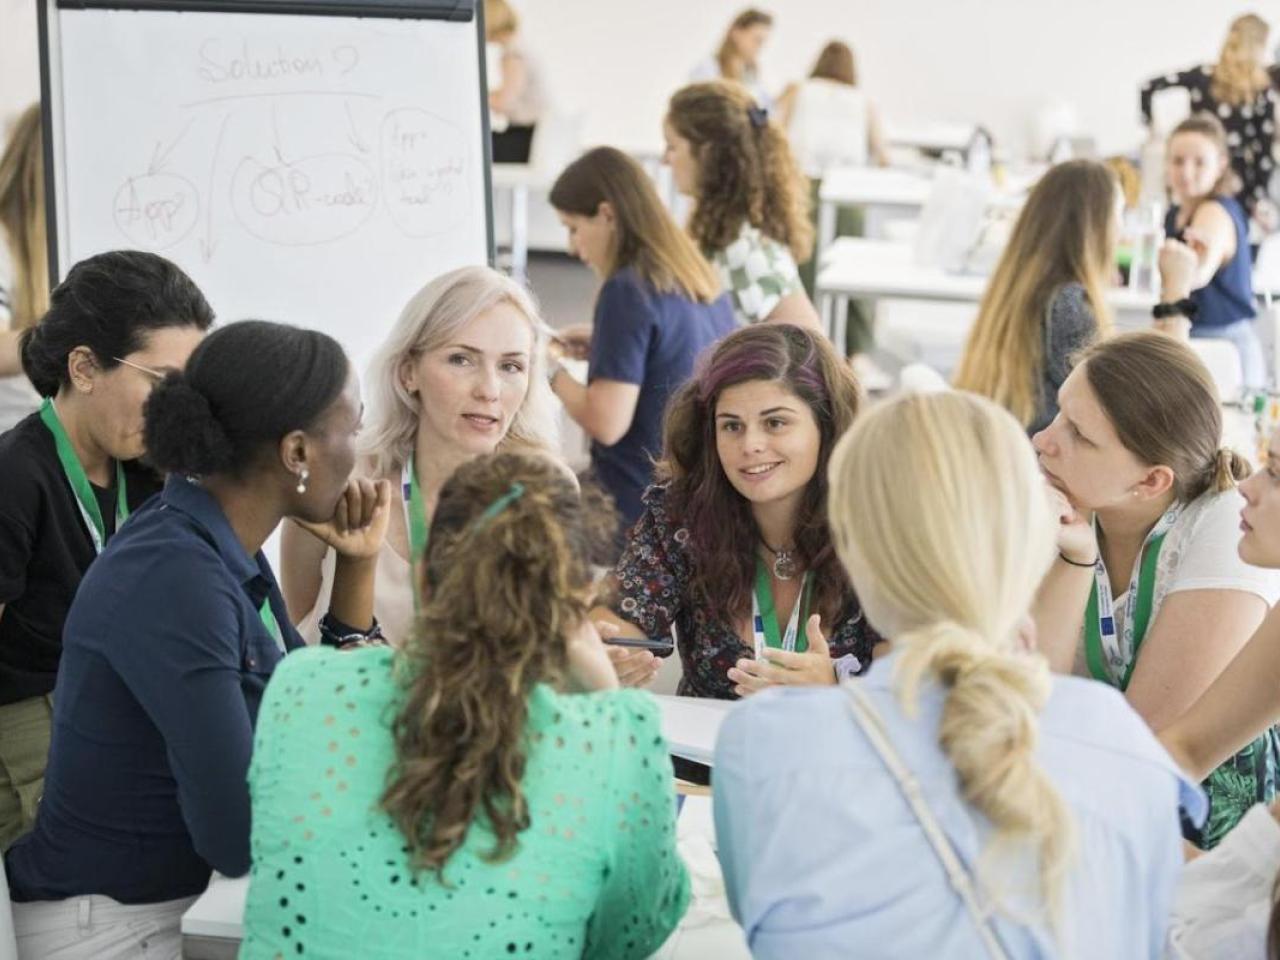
(1238, 91)
(1046, 299)
(24, 288)
(460, 375)
(957, 800)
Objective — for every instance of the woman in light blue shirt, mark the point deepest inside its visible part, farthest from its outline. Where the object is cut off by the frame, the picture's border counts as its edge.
(1046, 818)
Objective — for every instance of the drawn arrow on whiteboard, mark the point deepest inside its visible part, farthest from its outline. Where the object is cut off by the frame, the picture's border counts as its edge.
(354, 134)
(160, 155)
(275, 136)
(207, 243)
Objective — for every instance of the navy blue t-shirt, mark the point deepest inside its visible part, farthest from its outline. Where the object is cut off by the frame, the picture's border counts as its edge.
(1228, 297)
(650, 339)
(164, 660)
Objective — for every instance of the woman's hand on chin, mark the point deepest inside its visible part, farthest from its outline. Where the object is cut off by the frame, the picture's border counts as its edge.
(359, 522)
(1076, 540)
(813, 668)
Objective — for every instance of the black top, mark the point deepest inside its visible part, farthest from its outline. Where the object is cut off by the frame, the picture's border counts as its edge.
(166, 659)
(44, 551)
(1250, 127)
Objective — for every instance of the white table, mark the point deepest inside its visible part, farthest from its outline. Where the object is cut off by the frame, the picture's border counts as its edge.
(931, 137)
(213, 928)
(883, 193)
(516, 179)
(854, 267)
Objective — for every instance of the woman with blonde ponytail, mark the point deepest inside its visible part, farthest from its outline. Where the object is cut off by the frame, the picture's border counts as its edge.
(1148, 593)
(966, 798)
(484, 791)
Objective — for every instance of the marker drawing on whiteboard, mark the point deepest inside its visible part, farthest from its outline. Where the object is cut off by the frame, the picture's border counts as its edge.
(306, 202)
(160, 155)
(156, 210)
(275, 134)
(347, 57)
(425, 162)
(207, 243)
(354, 136)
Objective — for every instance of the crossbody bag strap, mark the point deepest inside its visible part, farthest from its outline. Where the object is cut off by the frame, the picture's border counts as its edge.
(868, 718)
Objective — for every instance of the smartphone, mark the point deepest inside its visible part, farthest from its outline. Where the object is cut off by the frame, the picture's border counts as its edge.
(654, 644)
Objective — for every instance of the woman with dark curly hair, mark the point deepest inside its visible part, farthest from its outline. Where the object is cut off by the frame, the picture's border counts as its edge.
(734, 548)
(750, 213)
(484, 791)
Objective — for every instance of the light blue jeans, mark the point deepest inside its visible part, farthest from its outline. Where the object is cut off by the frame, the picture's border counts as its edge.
(1245, 337)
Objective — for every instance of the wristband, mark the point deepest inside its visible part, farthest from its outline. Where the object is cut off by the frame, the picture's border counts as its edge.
(335, 633)
(1179, 308)
(1076, 563)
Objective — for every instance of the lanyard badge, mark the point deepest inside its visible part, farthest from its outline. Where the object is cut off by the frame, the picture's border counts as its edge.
(764, 616)
(1111, 654)
(415, 518)
(79, 480)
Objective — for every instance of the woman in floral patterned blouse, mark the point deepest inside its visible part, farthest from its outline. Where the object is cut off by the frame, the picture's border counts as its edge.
(733, 548)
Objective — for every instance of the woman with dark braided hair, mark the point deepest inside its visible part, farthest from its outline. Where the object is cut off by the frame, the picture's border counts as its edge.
(484, 791)
(750, 213)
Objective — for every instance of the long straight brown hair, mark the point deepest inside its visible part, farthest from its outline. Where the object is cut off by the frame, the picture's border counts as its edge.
(728, 58)
(647, 237)
(836, 63)
(1064, 234)
(22, 220)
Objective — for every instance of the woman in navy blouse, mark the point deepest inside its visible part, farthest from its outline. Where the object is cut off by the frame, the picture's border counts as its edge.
(173, 636)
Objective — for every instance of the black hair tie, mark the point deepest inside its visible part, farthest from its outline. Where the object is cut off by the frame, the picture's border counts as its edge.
(759, 116)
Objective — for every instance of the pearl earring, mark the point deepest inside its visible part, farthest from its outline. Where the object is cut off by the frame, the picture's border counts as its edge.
(302, 480)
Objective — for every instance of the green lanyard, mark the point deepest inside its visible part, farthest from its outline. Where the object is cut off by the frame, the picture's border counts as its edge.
(764, 616)
(271, 623)
(1138, 618)
(79, 480)
(415, 519)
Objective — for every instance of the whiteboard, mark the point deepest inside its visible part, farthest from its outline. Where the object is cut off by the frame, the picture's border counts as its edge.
(314, 170)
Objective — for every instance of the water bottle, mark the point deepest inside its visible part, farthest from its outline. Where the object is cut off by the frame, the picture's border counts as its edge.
(979, 153)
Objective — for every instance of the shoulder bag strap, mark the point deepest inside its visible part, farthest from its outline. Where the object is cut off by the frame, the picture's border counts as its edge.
(868, 718)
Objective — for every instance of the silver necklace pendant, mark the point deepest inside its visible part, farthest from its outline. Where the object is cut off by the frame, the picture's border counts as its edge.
(784, 565)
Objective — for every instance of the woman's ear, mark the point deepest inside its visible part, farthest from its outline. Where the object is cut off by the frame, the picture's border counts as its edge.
(606, 212)
(408, 374)
(293, 452)
(82, 369)
(1157, 482)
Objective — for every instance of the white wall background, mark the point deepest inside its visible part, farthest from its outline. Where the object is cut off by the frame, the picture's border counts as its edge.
(992, 61)
(19, 58)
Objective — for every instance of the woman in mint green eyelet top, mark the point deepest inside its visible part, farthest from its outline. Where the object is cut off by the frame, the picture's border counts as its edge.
(596, 873)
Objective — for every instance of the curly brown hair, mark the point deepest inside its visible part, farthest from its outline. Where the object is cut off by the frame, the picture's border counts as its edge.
(722, 532)
(746, 173)
(507, 578)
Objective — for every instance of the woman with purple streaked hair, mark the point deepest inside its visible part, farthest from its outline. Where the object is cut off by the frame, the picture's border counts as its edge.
(734, 548)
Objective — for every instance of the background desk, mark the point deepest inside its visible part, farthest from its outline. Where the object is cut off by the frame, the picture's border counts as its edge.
(213, 928)
(883, 193)
(880, 269)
